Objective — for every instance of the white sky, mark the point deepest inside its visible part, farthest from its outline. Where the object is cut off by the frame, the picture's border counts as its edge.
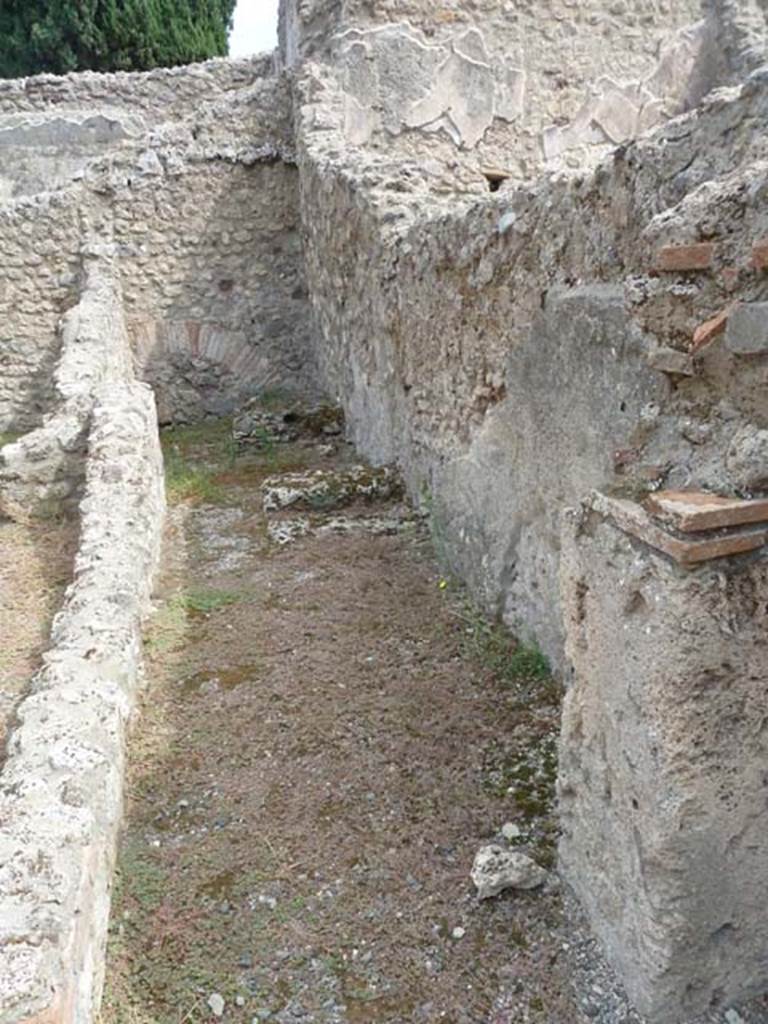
(255, 28)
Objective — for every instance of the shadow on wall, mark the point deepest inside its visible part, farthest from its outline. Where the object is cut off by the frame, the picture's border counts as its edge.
(217, 312)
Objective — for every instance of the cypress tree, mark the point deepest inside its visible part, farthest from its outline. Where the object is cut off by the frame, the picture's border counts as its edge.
(109, 35)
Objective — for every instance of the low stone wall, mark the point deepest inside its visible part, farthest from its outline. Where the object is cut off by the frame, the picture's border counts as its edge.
(61, 783)
(44, 468)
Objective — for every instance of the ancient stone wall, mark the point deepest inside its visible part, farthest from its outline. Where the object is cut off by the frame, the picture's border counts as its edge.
(602, 331)
(200, 198)
(42, 471)
(62, 773)
(452, 335)
(40, 241)
(162, 94)
(52, 126)
(214, 288)
(574, 341)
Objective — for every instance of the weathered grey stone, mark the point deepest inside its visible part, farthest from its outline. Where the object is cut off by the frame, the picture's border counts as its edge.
(45, 467)
(747, 330)
(321, 489)
(496, 869)
(61, 785)
(746, 459)
(671, 360)
(661, 795)
(259, 424)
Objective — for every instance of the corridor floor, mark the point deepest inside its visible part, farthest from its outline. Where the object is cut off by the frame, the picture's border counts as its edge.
(329, 732)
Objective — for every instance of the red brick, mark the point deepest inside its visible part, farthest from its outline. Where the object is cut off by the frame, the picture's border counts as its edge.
(692, 511)
(711, 329)
(633, 519)
(696, 256)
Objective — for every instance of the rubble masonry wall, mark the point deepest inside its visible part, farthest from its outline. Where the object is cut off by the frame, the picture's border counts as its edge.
(502, 351)
(201, 200)
(62, 774)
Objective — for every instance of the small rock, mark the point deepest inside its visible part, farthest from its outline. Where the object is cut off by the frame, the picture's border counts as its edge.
(696, 431)
(746, 459)
(239, 1001)
(732, 1017)
(458, 933)
(216, 1004)
(670, 360)
(496, 869)
(510, 831)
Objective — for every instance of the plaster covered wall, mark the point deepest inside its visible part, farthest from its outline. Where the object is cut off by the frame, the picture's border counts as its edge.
(512, 87)
(662, 768)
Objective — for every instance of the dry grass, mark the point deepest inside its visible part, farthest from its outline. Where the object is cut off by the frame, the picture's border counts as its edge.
(35, 567)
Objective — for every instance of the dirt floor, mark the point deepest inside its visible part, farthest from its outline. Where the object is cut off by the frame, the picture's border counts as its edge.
(35, 567)
(328, 735)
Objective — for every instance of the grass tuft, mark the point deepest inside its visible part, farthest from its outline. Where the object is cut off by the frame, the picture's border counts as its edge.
(203, 602)
(499, 651)
(195, 456)
(8, 437)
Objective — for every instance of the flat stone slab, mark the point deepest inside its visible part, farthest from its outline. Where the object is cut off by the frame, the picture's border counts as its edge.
(325, 489)
(747, 332)
(634, 520)
(692, 511)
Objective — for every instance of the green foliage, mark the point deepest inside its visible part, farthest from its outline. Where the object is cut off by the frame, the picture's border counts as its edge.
(203, 602)
(167, 629)
(195, 456)
(59, 36)
(495, 647)
(185, 481)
